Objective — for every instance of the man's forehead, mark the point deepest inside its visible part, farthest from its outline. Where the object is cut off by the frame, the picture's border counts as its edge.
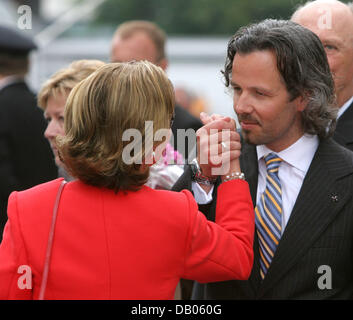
(326, 19)
(265, 58)
(138, 46)
(257, 69)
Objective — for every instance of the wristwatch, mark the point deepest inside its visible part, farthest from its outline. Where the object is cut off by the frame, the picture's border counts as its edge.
(198, 176)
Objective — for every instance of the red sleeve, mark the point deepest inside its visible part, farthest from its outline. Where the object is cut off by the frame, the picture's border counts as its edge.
(223, 250)
(15, 271)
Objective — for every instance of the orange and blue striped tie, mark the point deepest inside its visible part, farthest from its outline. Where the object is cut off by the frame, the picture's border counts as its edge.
(268, 214)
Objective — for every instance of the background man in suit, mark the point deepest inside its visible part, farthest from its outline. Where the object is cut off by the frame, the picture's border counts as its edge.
(144, 40)
(25, 156)
(300, 179)
(332, 21)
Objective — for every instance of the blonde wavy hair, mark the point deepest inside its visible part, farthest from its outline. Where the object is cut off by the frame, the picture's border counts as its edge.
(64, 80)
(117, 97)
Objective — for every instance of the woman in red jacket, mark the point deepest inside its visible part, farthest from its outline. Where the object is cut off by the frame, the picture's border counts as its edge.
(116, 238)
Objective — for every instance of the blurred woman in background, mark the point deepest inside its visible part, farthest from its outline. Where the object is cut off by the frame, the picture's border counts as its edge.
(52, 99)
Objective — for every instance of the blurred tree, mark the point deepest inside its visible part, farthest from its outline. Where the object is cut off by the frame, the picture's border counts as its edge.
(195, 17)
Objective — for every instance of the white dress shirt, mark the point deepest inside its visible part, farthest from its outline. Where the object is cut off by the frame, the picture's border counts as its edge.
(344, 108)
(292, 171)
(296, 162)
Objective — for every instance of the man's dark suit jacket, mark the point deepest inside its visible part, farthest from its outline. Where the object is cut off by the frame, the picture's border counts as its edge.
(344, 129)
(319, 232)
(25, 155)
(184, 120)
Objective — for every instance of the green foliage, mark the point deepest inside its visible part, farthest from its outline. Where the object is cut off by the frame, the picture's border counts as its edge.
(195, 17)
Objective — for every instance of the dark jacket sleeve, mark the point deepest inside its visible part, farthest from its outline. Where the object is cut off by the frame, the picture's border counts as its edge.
(185, 182)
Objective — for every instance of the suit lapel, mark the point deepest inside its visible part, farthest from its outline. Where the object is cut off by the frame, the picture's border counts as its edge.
(323, 194)
(250, 166)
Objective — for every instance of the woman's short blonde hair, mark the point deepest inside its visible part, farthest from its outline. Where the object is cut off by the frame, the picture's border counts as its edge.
(114, 99)
(64, 80)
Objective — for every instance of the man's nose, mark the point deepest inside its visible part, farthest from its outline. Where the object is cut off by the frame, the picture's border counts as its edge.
(242, 104)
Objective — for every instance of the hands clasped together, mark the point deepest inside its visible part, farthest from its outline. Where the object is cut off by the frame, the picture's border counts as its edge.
(218, 145)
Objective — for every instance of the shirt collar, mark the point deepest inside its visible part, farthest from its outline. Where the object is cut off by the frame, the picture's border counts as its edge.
(299, 154)
(344, 108)
(4, 82)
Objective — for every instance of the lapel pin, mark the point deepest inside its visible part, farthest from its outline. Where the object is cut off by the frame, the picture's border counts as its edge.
(334, 198)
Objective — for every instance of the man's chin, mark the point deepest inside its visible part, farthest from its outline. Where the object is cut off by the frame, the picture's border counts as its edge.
(250, 138)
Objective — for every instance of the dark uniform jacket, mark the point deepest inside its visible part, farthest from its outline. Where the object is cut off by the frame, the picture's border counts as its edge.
(25, 155)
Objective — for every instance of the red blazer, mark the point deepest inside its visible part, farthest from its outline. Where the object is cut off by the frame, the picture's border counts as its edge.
(132, 245)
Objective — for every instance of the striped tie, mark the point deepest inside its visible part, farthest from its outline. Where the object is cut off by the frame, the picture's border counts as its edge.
(268, 214)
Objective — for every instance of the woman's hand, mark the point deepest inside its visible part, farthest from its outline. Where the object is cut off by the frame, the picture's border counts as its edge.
(218, 146)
